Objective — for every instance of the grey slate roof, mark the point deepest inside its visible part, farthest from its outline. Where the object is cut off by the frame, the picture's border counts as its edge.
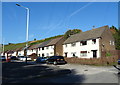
(44, 43)
(91, 34)
(54, 41)
(34, 46)
(50, 42)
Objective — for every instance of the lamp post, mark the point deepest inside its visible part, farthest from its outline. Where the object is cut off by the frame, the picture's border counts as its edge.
(26, 28)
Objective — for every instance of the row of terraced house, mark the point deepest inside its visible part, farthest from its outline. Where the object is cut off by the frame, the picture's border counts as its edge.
(88, 44)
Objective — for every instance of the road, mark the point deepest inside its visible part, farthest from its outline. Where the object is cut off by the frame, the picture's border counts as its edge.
(43, 73)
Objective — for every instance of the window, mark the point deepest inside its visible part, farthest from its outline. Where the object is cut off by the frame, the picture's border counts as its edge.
(42, 48)
(39, 49)
(83, 43)
(66, 45)
(93, 41)
(47, 47)
(52, 47)
(47, 54)
(110, 42)
(73, 54)
(43, 55)
(83, 53)
(66, 54)
(73, 44)
(113, 43)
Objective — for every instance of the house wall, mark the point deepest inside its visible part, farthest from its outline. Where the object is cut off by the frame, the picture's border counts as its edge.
(14, 54)
(59, 47)
(29, 52)
(21, 53)
(77, 49)
(2, 54)
(107, 41)
(48, 51)
(5, 54)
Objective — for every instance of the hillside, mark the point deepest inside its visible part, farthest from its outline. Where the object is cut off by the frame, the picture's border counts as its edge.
(21, 45)
(113, 29)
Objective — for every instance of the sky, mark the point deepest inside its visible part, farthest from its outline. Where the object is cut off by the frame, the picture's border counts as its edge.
(49, 19)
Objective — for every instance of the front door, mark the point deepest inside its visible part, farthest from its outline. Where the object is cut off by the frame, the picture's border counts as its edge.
(94, 53)
(65, 54)
(43, 55)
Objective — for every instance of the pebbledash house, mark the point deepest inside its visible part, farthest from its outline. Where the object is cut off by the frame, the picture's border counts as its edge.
(89, 44)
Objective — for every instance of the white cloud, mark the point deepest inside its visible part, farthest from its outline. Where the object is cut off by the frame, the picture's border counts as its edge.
(75, 12)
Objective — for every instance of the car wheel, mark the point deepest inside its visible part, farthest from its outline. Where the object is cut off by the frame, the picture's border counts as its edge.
(55, 63)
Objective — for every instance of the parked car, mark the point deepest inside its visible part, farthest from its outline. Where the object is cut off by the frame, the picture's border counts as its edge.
(3, 58)
(13, 58)
(23, 58)
(118, 61)
(41, 59)
(56, 60)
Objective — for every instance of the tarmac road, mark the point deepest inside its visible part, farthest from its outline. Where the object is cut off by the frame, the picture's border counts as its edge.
(69, 73)
(89, 74)
(19, 72)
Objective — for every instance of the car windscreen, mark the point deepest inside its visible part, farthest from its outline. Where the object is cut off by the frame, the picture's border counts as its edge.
(13, 56)
(61, 57)
(21, 56)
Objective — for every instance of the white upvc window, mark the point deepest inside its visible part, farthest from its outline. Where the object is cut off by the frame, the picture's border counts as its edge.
(110, 42)
(65, 45)
(73, 54)
(47, 54)
(93, 41)
(47, 47)
(83, 43)
(73, 44)
(113, 43)
(83, 53)
(39, 49)
(52, 47)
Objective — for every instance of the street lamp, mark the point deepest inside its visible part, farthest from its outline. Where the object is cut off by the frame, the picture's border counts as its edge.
(26, 27)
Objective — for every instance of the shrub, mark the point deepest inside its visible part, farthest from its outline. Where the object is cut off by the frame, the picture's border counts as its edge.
(108, 54)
